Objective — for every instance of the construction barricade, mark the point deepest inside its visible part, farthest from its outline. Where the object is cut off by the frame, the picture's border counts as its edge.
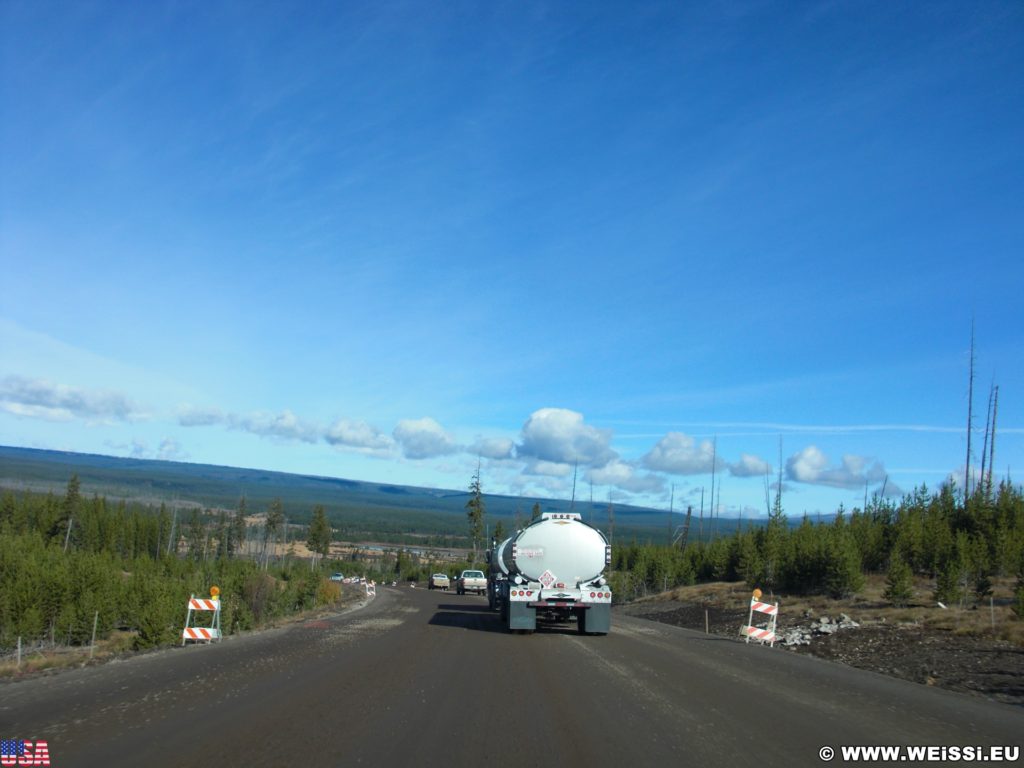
(371, 588)
(202, 634)
(761, 634)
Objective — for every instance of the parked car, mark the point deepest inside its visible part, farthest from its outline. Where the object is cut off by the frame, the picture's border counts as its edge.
(439, 581)
(337, 577)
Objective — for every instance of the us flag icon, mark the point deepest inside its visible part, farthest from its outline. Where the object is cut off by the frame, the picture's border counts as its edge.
(21, 752)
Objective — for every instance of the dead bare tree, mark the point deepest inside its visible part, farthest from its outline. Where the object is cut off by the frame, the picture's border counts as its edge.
(991, 442)
(970, 421)
(984, 443)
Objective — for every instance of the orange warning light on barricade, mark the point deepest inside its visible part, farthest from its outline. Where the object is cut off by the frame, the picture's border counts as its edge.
(215, 592)
(757, 594)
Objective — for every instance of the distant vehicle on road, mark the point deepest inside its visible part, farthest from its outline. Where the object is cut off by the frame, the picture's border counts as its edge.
(337, 577)
(471, 581)
(439, 581)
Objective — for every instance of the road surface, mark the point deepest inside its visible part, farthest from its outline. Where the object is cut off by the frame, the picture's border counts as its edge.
(425, 678)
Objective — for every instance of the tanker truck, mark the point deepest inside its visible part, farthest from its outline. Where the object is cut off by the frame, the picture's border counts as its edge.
(551, 570)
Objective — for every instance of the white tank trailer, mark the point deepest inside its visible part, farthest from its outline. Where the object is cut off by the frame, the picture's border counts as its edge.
(552, 570)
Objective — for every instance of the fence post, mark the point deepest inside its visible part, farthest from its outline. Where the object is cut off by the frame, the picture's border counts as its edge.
(92, 645)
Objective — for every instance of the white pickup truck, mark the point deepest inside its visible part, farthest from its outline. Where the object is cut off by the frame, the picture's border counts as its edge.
(471, 581)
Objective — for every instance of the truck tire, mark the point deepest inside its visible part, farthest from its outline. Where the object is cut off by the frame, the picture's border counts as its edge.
(581, 622)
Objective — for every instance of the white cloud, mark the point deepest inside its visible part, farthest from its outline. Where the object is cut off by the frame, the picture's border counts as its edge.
(811, 466)
(170, 450)
(493, 448)
(612, 473)
(958, 476)
(283, 426)
(423, 439)
(891, 491)
(189, 416)
(547, 468)
(679, 454)
(559, 435)
(624, 476)
(750, 466)
(42, 399)
(356, 434)
(539, 485)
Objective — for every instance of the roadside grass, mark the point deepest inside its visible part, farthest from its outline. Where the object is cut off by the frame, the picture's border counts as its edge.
(53, 658)
(971, 617)
(45, 658)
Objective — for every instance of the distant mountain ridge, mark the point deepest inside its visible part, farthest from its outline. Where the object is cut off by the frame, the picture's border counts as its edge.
(216, 486)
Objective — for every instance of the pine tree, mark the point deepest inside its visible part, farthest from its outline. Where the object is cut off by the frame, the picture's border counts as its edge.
(843, 576)
(899, 583)
(165, 528)
(272, 526)
(750, 565)
(948, 581)
(7, 510)
(535, 512)
(236, 537)
(499, 532)
(196, 535)
(773, 543)
(67, 518)
(475, 511)
(223, 534)
(319, 540)
(1018, 595)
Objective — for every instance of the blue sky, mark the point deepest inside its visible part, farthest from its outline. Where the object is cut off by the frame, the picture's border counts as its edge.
(384, 241)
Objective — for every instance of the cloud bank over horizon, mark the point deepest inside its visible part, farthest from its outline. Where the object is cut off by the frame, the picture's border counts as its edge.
(552, 445)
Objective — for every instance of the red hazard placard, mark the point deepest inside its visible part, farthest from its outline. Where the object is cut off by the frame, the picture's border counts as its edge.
(547, 579)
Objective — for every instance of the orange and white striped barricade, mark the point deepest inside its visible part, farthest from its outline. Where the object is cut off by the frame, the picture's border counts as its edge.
(371, 588)
(762, 635)
(202, 634)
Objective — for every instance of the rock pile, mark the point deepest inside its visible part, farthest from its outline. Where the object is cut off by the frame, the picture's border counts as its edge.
(823, 626)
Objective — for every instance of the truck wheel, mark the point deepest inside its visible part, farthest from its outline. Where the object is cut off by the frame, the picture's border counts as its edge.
(581, 622)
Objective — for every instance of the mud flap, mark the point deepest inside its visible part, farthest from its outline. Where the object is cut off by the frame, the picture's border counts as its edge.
(521, 616)
(598, 620)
